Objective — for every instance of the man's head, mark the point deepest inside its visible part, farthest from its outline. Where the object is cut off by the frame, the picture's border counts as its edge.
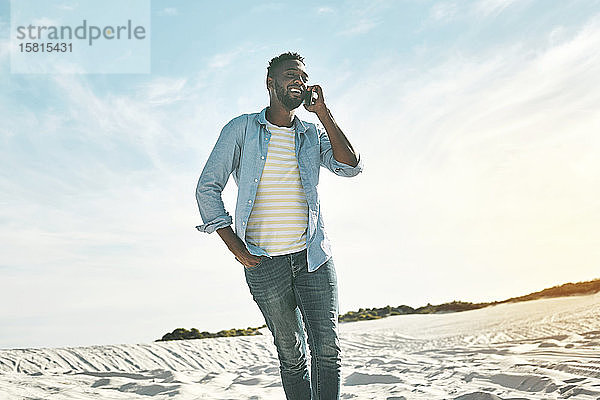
(286, 80)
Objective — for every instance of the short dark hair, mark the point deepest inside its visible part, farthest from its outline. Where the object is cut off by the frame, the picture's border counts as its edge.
(275, 61)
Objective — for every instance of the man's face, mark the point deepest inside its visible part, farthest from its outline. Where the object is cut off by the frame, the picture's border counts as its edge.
(289, 83)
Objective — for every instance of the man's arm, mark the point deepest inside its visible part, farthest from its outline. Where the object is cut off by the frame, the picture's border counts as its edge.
(337, 154)
(342, 149)
(223, 160)
(237, 247)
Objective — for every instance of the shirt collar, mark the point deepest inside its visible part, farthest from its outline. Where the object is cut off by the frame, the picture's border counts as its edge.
(298, 124)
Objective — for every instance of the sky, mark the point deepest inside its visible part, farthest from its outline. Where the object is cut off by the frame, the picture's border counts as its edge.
(477, 122)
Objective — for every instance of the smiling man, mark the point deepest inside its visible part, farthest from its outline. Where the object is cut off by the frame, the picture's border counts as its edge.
(279, 238)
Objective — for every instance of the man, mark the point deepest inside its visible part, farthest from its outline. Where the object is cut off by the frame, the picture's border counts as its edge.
(279, 236)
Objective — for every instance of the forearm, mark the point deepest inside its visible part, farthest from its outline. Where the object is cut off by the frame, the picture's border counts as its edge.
(233, 242)
(237, 247)
(342, 149)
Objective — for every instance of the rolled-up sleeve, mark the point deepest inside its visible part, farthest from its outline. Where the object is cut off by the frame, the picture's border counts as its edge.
(223, 160)
(329, 162)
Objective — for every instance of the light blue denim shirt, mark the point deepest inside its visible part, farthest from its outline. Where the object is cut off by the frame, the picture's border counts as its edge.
(242, 150)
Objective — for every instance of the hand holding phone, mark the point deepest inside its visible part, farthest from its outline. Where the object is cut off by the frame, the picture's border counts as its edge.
(313, 99)
(308, 97)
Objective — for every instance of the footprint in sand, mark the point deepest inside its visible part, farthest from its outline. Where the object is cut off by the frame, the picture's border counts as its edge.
(478, 396)
(358, 378)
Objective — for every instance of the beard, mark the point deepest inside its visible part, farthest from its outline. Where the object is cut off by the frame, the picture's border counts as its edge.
(290, 103)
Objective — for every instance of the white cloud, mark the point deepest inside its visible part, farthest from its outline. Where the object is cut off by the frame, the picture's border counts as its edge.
(223, 59)
(65, 7)
(168, 11)
(324, 10)
(443, 11)
(359, 28)
(44, 22)
(488, 8)
(267, 8)
(164, 90)
(557, 35)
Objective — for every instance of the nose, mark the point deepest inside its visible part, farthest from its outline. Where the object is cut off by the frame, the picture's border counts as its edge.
(298, 81)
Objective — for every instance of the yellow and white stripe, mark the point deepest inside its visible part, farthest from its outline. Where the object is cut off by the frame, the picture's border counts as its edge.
(279, 218)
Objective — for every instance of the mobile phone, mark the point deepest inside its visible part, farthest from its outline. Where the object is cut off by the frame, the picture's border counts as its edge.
(309, 100)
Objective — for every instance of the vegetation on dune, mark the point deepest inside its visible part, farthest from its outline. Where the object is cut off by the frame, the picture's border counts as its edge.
(182, 333)
(455, 306)
(376, 313)
(568, 289)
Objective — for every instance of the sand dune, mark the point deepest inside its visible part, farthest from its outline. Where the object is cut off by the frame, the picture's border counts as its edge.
(543, 349)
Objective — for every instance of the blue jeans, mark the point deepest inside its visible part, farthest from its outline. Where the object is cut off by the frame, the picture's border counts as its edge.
(287, 294)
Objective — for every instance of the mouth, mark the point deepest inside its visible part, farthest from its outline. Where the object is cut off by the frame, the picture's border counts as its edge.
(295, 90)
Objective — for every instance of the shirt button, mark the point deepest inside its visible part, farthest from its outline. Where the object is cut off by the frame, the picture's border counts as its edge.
(266, 138)
(243, 222)
(255, 180)
(262, 157)
(249, 201)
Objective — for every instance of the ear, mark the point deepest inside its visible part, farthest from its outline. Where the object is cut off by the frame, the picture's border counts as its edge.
(269, 83)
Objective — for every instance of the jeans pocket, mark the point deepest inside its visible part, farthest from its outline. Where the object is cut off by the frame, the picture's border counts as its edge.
(261, 262)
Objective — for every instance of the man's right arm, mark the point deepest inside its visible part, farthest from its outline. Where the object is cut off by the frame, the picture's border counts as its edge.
(237, 247)
(223, 160)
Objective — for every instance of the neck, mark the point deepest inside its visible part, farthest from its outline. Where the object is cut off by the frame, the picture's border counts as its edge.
(279, 115)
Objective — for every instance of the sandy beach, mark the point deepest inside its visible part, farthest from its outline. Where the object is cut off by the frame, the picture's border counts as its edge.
(542, 349)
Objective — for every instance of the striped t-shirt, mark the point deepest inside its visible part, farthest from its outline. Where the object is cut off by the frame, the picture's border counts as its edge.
(279, 218)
